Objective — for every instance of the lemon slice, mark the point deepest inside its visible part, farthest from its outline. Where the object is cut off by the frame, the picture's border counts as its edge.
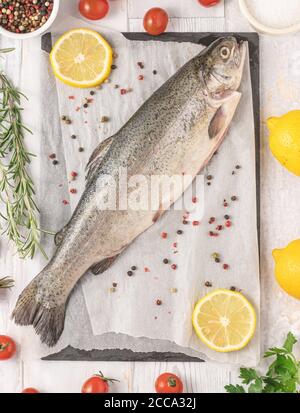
(224, 320)
(81, 58)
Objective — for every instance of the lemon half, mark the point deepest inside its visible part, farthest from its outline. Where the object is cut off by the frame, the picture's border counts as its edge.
(81, 58)
(224, 320)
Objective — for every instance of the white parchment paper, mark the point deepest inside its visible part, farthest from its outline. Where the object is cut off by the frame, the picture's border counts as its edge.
(129, 317)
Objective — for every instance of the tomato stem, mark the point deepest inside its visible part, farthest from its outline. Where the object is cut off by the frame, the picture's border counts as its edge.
(3, 346)
(172, 382)
(106, 379)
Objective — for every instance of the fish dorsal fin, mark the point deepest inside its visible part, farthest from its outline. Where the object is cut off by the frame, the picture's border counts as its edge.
(59, 236)
(97, 157)
(224, 114)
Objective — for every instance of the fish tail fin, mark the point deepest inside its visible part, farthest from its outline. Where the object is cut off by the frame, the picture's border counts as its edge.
(48, 322)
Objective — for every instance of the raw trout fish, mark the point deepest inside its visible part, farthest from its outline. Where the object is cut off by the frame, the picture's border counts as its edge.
(176, 131)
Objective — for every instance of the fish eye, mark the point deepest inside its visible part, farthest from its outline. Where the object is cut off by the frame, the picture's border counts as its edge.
(225, 52)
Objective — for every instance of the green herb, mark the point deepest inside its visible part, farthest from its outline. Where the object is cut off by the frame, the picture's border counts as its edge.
(16, 186)
(282, 376)
(6, 282)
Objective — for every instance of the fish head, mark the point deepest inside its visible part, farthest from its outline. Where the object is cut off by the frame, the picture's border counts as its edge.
(222, 66)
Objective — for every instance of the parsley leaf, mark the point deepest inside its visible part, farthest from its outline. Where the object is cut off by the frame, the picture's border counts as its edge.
(282, 376)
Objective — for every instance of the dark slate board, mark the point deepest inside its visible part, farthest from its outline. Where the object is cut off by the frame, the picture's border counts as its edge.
(73, 354)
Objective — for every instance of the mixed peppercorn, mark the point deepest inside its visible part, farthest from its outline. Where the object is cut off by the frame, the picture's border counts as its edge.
(24, 16)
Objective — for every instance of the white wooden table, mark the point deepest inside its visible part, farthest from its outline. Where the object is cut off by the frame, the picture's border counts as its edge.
(278, 226)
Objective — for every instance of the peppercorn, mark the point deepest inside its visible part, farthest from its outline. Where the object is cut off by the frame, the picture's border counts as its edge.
(55, 162)
(225, 266)
(164, 235)
(234, 198)
(158, 302)
(92, 93)
(174, 267)
(140, 77)
(52, 156)
(208, 284)
(179, 232)
(185, 222)
(226, 217)
(212, 220)
(196, 223)
(141, 65)
(129, 273)
(86, 105)
(81, 149)
(133, 268)
(113, 67)
(154, 72)
(165, 261)
(114, 285)
(73, 191)
(73, 136)
(209, 177)
(238, 167)
(104, 119)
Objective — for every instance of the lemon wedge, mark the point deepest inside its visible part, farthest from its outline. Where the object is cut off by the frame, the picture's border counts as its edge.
(224, 320)
(81, 58)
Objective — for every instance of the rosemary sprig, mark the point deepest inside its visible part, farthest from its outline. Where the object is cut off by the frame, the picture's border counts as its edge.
(16, 186)
(6, 282)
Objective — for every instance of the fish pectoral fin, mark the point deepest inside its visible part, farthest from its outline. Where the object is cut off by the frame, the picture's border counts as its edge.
(97, 157)
(224, 114)
(103, 265)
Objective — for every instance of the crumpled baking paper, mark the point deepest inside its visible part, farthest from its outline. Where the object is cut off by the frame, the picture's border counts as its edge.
(98, 318)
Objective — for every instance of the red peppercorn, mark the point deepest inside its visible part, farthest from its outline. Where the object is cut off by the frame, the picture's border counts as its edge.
(164, 235)
(52, 156)
(65, 202)
(175, 245)
(141, 77)
(196, 223)
(225, 266)
(146, 269)
(219, 228)
(123, 91)
(228, 224)
(194, 199)
(174, 267)
(73, 190)
(74, 174)
(212, 220)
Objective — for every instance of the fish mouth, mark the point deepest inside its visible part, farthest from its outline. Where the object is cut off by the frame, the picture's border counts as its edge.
(242, 53)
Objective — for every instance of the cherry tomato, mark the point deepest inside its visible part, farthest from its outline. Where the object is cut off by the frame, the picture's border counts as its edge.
(156, 21)
(30, 390)
(7, 347)
(168, 383)
(93, 9)
(209, 3)
(97, 384)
